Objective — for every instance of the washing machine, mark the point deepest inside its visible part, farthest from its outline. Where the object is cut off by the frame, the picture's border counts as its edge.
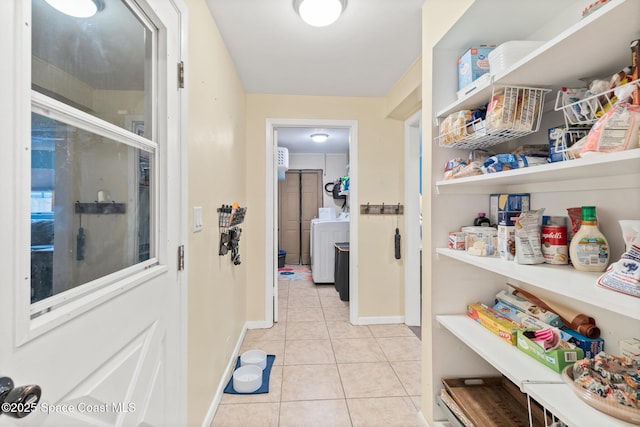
(325, 233)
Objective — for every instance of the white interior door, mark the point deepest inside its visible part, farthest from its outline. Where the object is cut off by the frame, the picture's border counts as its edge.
(91, 305)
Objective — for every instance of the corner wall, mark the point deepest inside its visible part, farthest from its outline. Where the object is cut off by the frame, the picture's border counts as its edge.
(216, 168)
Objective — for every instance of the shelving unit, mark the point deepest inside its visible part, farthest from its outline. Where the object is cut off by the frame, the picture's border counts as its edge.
(575, 49)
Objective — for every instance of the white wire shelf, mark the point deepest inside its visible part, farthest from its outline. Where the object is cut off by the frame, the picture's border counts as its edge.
(588, 110)
(513, 112)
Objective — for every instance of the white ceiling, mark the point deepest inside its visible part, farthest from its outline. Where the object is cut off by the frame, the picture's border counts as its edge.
(363, 54)
(298, 140)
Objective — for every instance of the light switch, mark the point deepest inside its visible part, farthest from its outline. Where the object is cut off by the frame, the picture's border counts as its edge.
(197, 219)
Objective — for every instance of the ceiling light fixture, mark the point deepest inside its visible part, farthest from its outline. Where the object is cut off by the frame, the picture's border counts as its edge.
(77, 8)
(319, 13)
(319, 137)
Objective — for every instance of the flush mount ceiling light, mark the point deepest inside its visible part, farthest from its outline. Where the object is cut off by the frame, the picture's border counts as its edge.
(77, 8)
(319, 13)
(319, 137)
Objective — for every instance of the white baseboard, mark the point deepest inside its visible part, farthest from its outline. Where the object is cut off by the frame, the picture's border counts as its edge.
(380, 320)
(258, 324)
(225, 378)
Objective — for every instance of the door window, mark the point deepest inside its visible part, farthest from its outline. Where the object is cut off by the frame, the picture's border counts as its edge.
(93, 153)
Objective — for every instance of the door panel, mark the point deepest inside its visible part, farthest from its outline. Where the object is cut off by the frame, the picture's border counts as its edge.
(113, 353)
(289, 217)
(311, 200)
(300, 196)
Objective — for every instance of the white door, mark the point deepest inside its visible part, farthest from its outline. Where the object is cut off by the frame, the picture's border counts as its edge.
(92, 299)
(274, 224)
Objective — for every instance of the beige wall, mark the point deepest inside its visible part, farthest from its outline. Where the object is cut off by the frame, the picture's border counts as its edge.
(216, 168)
(381, 179)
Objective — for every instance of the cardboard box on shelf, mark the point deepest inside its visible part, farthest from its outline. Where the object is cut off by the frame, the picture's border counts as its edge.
(499, 202)
(494, 321)
(589, 346)
(556, 359)
(630, 347)
(473, 64)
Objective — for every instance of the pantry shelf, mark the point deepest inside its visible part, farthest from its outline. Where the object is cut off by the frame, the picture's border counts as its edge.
(561, 279)
(507, 359)
(549, 175)
(563, 403)
(541, 67)
(533, 378)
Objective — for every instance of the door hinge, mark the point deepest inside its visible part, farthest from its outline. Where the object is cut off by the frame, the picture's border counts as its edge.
(181, 74)
(180, 257)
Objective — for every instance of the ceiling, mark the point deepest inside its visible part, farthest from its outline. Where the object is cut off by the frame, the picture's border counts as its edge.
(298, 140)
(363, 54)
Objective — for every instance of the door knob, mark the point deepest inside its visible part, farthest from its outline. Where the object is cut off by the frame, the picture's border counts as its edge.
(18, 402)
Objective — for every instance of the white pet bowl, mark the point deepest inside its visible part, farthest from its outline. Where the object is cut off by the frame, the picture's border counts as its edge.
(254, 357)
(247, 379)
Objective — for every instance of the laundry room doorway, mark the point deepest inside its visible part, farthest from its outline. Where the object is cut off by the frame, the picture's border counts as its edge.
(299, 198)
(275, 128)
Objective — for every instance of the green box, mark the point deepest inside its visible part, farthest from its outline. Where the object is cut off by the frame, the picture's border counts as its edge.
(556, 359)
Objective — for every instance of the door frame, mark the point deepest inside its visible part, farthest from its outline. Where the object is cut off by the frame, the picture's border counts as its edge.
(271, 211)
(412, 132)
(16, 124)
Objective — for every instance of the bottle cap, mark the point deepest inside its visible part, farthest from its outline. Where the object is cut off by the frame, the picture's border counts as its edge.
(481, 214)
(589, 213)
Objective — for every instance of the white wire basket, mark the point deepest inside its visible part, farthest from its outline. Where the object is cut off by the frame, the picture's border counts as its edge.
(564, 140)
(512, 113)
(588, 110)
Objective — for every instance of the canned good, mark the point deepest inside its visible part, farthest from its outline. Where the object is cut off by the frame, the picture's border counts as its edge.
(554, 244)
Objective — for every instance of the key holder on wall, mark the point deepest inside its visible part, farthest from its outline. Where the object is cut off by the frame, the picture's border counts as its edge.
(229, 217)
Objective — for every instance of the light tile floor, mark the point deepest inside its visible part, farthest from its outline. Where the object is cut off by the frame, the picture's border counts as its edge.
(328, 372)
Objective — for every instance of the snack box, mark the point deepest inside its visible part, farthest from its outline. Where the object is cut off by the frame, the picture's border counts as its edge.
(556, 359)
(456, 240)
(499, 202)
(494, 321)
(525, 321)
(548, 317)
(507, 242)
(630, 347)
(508, 218)
(590, 346)
(473, 64)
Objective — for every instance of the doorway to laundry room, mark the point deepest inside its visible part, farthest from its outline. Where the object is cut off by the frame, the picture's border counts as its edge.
(313, 176)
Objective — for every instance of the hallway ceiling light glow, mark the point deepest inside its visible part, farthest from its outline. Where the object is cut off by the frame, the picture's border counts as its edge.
(77, 8)
(319, 13)
(319, 137)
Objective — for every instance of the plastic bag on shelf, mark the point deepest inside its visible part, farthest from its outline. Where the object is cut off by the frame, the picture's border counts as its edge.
(617, 130)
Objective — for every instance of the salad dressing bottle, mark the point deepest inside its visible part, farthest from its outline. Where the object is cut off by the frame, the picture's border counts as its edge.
(589, 250)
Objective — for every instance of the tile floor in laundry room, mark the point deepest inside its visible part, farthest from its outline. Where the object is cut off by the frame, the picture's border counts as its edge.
(328, 372)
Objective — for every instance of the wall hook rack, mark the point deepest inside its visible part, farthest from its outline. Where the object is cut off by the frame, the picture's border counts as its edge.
(100, 208)
(383, 209)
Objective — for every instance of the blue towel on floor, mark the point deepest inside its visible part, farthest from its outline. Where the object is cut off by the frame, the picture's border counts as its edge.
(264, 388)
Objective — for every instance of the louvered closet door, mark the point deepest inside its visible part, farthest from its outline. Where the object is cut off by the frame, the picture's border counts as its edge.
(300, 196)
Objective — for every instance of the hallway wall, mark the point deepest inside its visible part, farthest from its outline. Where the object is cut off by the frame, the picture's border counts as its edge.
(381, 170)
(216, 168)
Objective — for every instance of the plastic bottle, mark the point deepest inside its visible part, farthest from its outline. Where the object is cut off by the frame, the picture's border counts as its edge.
(482, 220)
(589, 248)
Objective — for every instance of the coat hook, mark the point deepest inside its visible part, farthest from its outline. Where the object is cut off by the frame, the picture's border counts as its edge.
(366, 210)
(398, 209)
(382, 209)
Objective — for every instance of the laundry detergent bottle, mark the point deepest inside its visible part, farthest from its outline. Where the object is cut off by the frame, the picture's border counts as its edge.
(589, 248)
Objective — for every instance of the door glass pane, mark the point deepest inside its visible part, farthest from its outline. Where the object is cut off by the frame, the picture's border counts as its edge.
(100, 64)
(90, 206)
